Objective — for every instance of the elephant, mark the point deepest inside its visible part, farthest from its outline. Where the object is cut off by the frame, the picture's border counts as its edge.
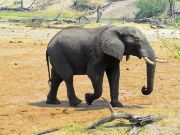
(93, 51)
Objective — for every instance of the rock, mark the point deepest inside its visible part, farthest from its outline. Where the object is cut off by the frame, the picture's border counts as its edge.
(65, 111)
(11, 42)
(20, 41)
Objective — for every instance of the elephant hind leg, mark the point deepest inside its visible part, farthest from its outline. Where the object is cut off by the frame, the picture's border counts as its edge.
(73, 100)
(65, 71)
(96, 80)
(55, 82)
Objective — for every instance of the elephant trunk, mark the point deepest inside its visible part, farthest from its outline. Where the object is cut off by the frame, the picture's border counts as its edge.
(150, 70)
(150, 79)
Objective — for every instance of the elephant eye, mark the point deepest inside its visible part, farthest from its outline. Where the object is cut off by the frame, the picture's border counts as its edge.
(136, 39)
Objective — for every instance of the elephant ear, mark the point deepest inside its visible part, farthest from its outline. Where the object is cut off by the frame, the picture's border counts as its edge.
(111, 44)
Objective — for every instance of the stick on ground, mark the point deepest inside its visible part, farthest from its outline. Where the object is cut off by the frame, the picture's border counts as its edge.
(48, 131)
(136, 120)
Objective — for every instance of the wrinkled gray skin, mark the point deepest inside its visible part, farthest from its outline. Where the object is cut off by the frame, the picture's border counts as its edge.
(82, 51)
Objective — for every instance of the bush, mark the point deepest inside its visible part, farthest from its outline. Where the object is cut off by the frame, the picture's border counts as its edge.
(178, 19)
(150, 8)
(16, 2)
(89, 4)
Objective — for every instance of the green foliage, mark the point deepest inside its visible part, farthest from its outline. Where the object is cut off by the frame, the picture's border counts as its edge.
(89, 4)
(8, 15)
(82, 2)
(81, 129)
(178, 19)
(172, 44)
(150, 8)
(16, 2)
(30, 23)
(177, 51)
(177, 55)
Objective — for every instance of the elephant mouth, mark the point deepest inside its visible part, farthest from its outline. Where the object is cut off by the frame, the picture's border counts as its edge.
(142, 54)
(146, 59)
(139, 57)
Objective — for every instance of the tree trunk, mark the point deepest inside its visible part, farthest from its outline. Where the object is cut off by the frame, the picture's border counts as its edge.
(99, 14)
(45, 2)
(75, 2)
(172, 7)
(22, 6)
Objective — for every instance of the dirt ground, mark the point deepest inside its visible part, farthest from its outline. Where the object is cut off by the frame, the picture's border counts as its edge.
(24, 87)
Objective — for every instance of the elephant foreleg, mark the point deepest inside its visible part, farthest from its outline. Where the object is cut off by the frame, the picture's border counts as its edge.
(113, 78)
(55, 81)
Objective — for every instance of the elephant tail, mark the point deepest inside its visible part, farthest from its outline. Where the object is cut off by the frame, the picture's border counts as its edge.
(48, 66)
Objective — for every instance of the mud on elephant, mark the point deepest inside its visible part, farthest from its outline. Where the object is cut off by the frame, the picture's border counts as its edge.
(91, 52)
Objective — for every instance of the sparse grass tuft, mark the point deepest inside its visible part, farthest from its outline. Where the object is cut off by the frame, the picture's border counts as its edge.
(177, 55)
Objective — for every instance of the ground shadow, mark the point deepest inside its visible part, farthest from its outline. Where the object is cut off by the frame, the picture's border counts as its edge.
(97, 105)
(132, 107)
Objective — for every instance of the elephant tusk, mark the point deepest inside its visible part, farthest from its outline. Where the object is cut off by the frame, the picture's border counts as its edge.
(161, 60)
(148, 60)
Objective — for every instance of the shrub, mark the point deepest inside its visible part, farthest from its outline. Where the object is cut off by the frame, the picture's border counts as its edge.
(16, 2)
(89, 4)
(150, 8)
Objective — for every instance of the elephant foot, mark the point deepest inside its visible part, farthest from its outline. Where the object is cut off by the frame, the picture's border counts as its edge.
(75, 102)
(116, 104)
(88, 98)
(53, 101)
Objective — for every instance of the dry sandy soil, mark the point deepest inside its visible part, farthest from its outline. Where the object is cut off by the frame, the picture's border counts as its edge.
(24, 87)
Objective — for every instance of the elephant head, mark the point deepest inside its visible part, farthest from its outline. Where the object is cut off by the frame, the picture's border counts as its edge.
(118, 42)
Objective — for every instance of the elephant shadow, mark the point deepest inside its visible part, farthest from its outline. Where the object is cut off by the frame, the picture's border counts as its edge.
(97, 105)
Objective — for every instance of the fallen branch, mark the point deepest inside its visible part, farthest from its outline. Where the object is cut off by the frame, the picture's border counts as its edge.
(136, 120)
(31, 4)
(105, 6)
(81, 17)
(48, 131)
(155, 22)
(14, 9)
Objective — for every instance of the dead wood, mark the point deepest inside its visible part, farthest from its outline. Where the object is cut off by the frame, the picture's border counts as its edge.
(105, 6)
(82, 17)
(14, 9)
(136, 120)
(31, 4)
(48, 131)
(154, 22)
(19, 8)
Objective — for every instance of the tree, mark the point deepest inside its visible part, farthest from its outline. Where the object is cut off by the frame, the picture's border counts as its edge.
(172, 7)
(22, 5)
(75, 2)
(99, 14)
(45, 2)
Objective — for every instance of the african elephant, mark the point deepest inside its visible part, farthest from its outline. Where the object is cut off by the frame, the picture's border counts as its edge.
(79, 51)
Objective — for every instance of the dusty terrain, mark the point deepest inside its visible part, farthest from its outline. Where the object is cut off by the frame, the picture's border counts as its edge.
(24, 87)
